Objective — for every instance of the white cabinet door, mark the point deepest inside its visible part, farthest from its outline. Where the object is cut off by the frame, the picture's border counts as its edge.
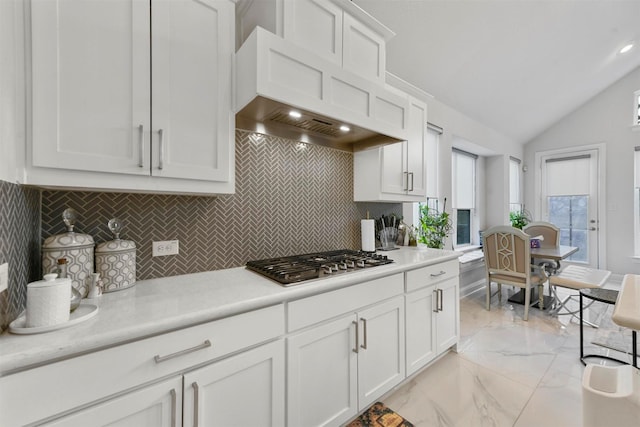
(416, 149)
(421, 328)
(322, 374)
(394, 177)
(91, 85)
(448, 318)
(381, 363)
(156, 405)
(192, 110)
(364, 51)
(243, 390)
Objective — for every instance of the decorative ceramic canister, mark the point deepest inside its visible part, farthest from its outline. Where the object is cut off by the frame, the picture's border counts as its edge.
(116, 260)
(77, 248)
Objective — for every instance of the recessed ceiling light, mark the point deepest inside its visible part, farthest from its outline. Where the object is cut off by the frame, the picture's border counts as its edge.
(627, 48)
(344, 128)
(295, 114)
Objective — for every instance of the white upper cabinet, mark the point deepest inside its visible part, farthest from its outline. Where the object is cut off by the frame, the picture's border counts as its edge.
(396, 172)
(127, 100)
(336, 30)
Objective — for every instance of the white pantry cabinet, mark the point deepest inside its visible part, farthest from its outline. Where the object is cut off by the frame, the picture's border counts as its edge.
(432, 313)
(132, 95)
(340, 366)
(395, 172)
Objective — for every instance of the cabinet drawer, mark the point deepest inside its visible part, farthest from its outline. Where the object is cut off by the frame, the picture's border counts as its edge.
(41, 392)
(436, 273)
(307, 311)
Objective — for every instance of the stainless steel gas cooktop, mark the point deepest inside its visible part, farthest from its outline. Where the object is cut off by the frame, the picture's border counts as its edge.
(294, 269)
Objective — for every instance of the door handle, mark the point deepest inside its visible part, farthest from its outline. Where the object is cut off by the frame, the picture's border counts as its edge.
(196, 390)
(141, 147)
(161, 148)
(364, 331)
(593, 228)
(406, 181)
(435, 299)
(173, 407)
(440, 299)
(411, 174)
(355, 350)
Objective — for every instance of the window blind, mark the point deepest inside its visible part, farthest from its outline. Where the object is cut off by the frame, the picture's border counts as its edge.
(562, 175)
(463, 165)
(514, 181)
(636, 161)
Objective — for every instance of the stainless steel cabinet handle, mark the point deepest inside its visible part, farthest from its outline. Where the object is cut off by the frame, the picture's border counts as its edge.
(440, 301)
(160, 359)
(435, 300)
(141, 147)
(411, 173)
(173, 407)
(364, 331)
(161, 149)
(438, 274)
(355, 350)
(196, 389)
(406, 181)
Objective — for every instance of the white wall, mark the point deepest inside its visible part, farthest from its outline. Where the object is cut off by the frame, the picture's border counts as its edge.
(12, 86)
(606, 118)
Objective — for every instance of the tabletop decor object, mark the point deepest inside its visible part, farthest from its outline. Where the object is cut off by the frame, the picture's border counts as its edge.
(77, 248)
(116, 260)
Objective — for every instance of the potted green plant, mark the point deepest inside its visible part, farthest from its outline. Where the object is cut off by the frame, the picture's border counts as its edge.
(435, 226)
(519, 219)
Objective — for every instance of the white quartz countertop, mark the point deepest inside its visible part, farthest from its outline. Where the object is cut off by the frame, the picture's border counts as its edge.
(156, 306)
(627, 309)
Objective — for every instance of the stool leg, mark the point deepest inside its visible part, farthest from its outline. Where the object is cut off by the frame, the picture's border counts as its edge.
(581, 335)
(634, 350)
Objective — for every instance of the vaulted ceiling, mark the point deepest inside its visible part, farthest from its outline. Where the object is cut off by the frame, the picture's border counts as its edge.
(517, 66)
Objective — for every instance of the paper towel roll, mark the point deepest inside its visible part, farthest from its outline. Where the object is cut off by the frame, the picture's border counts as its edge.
(367, 230)
(48, 301)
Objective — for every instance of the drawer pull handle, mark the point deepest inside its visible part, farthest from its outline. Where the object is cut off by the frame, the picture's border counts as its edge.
(438, 274)
(141, 147)
(160, 359)
(355, 350)
(173, 407)
(196, 390)
(161, 148)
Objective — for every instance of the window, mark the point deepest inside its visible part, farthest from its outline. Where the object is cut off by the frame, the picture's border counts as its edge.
(636, 203)
(515, 179)
(463, 170)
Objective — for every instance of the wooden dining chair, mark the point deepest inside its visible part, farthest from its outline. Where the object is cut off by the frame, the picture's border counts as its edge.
(507, 261)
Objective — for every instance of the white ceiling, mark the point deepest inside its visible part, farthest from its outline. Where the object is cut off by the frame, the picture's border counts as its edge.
(517, 66)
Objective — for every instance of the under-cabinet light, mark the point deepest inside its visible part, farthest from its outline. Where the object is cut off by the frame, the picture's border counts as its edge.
(295, 114)
(344, 128)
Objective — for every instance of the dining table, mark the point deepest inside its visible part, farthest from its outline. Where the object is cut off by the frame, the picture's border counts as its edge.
(553, 253)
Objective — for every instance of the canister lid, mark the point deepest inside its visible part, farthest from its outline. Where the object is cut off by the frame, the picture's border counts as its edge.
(69, 240)
(116, 245)
(49, 280)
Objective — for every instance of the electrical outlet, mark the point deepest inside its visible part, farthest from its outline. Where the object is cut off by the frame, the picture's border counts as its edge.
(4, 276)
(166, 247)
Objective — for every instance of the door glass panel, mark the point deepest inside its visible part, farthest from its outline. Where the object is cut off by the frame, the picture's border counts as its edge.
(569, 214)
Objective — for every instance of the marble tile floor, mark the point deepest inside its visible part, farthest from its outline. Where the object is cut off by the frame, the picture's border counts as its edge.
(507, 372)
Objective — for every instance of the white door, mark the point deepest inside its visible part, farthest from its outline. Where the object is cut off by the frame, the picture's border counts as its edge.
(322, 374)
(192, 110)
(243, 390)
(156, 405)
(381, 363)
(447, 318)
(91, 85)
(570, 200)
(420, 327)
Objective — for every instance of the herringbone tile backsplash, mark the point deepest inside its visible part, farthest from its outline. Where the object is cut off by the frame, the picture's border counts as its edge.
(290, 198)
(19, 246)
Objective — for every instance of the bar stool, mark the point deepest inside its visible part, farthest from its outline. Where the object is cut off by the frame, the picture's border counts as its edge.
(576, 278)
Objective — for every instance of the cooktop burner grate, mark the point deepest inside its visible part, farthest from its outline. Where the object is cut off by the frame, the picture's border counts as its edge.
(294, 269)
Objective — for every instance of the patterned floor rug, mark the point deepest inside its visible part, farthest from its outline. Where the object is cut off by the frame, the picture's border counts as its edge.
(378, 415)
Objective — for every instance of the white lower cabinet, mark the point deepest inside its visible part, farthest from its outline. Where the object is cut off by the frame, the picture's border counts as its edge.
(340, 367)
(158, 405)
(432, 319)
(243, 390)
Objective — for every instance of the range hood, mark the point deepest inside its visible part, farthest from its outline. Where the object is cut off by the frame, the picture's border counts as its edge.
(332, 106)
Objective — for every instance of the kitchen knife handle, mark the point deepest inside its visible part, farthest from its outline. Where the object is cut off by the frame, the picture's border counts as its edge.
(355, 350)
(196, 390)
(161, 149)
(160, 359)
(435, 300)
(411, 173)
(173, 407)
(364, 331)
(141, 147)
